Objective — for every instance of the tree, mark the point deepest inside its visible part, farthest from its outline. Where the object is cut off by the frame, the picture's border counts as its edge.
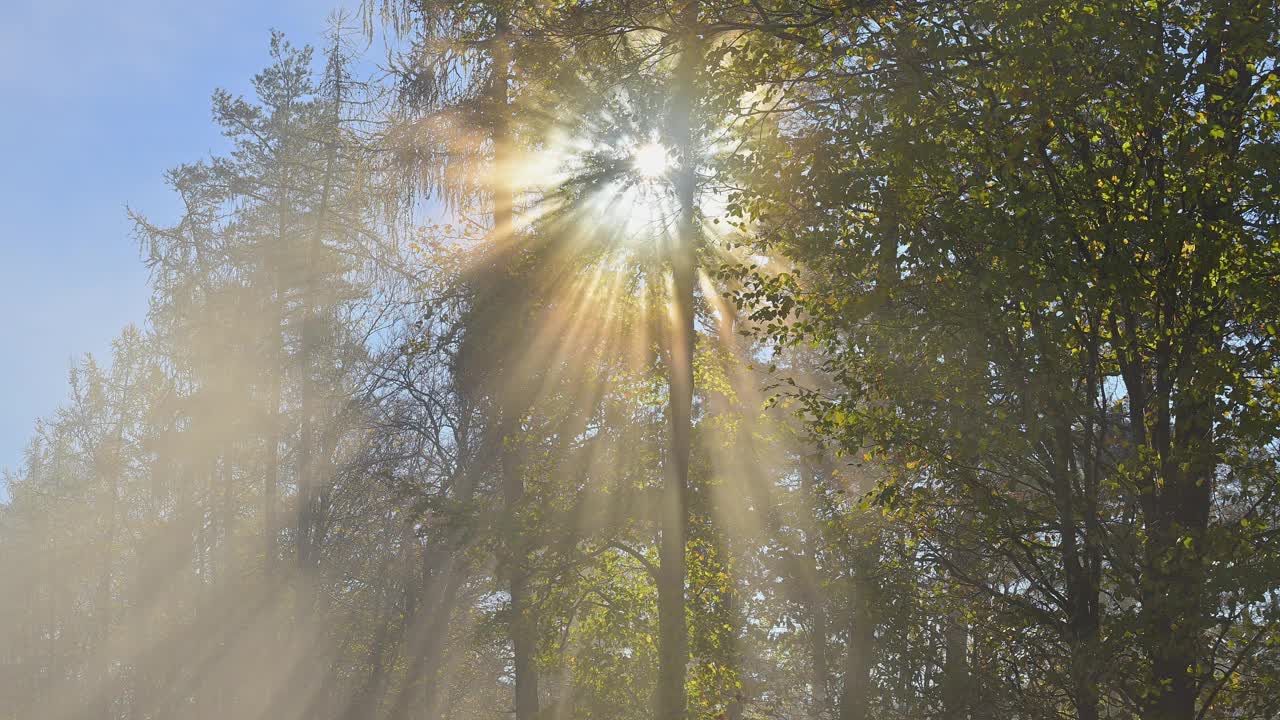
(1083, 247)
(766, 359)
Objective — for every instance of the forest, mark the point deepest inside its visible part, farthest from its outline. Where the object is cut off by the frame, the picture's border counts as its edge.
(687, 360)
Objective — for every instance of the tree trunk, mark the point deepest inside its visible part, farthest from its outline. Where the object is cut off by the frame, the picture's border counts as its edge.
(855, 700)
(673, 635)
(1175, 589)
(428, 632)
(1082, 605)
(523, 623)
(955, 670)
(820, 704)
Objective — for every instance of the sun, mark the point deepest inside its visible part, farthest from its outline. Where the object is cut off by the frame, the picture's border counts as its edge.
(651, 160)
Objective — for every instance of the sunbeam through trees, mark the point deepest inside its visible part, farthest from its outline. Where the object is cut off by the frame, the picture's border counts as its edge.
(691, 360)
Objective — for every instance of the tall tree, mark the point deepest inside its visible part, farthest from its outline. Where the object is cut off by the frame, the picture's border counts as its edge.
(1064, 257)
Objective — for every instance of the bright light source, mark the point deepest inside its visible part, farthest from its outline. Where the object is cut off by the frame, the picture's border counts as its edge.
(651, 160)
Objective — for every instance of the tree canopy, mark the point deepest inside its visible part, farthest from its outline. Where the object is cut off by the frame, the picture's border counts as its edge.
(693, 361)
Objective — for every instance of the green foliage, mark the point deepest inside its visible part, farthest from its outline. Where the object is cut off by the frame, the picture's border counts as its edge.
(986, 400)
(1038, 258)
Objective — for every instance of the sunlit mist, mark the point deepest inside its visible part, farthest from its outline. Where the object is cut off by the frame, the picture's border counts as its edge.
(651, 160)
(683, 361)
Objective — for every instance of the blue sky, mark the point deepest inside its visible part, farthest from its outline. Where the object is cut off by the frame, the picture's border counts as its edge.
(100, 98)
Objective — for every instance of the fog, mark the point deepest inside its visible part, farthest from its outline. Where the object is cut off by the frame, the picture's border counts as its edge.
(700, 361)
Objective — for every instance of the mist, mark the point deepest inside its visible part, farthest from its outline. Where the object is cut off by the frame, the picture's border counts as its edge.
(685, 361)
